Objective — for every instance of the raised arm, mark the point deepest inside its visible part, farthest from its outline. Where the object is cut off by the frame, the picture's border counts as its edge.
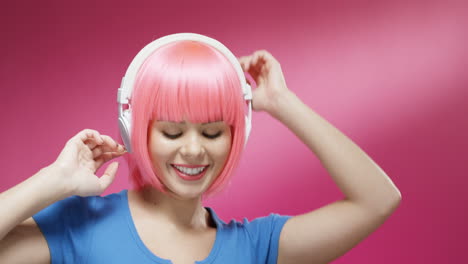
(72, 173)
(327, 233)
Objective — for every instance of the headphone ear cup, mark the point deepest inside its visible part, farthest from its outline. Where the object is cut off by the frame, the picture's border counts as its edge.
(125, 128)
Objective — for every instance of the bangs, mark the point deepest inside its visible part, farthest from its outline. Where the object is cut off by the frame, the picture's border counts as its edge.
(197, 95)
(197, 84)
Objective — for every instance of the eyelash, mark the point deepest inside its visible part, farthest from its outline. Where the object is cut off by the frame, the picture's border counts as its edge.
(206, 135)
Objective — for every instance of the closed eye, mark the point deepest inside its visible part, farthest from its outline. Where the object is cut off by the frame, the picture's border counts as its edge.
(213, 136)
(206, 135)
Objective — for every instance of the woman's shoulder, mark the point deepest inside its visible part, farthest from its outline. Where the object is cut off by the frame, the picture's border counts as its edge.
(257, 237)
(111, 198)
(81, 205)
(255, 224)
(107, 204)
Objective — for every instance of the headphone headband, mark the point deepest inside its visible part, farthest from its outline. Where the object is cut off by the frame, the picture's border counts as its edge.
(128, 81)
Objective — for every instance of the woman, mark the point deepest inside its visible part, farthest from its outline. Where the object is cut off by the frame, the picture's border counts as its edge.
(187, 110)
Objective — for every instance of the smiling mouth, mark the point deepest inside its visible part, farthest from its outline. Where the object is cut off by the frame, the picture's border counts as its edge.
(189, 166)
(190, 174)
(190, 171)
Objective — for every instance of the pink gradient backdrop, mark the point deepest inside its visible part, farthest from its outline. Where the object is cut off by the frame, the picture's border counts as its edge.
(388, 74)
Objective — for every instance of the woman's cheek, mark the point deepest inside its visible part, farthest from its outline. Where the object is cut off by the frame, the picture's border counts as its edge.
(224, 146)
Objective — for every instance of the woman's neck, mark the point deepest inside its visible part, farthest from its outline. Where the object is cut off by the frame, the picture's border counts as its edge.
(181, 213)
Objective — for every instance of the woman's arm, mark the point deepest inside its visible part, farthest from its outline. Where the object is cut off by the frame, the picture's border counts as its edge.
(29, 197)
(72, 173)
(324, 234)
(327, 233)
(20, 237)
(360, 179)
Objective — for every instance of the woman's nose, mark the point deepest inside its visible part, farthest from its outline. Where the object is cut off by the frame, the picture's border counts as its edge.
(193, 146)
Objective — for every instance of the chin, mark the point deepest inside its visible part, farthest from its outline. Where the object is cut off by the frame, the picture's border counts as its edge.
(185, 193)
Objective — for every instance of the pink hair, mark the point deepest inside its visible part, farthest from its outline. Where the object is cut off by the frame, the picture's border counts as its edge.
(184, 79)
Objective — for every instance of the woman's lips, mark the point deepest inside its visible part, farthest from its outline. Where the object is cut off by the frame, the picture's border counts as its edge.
(190, 166)
(190, 177)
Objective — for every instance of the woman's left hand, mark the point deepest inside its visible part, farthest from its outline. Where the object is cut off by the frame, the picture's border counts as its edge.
(267, 73)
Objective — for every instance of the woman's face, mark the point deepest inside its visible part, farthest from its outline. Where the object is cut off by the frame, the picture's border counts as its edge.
(203, 145)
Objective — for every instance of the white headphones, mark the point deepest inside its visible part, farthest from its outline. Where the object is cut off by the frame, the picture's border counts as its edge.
(125, 91)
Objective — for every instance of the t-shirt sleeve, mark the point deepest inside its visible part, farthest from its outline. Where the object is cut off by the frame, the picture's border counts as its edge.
(264, 233)
(64, 226)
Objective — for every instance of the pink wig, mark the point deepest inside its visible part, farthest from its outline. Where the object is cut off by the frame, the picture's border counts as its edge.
(184, 79)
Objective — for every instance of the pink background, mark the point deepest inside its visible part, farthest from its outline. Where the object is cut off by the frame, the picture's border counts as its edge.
(388, 74)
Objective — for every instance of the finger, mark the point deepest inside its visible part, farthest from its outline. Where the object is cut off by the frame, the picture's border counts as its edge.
(256, 62)
(266, 58)
(111, 144)
(255, 58)
(265, 55)
(91, 143)
(109, 175)
(95, 141)
(88, 134)
(250, 66)
(81, 136)
(244, 68)
(259, 60)
(105, 157)
(89, 137)
(98, 137)
(248, 61)
(243, 61)
(97, 152)
(98, 162)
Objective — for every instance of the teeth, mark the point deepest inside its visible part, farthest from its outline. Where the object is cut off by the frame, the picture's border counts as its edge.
(189, 170)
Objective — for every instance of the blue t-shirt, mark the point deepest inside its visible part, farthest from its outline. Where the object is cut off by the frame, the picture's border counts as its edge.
(99, 229)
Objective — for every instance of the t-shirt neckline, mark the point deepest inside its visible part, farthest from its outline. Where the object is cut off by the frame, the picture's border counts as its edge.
(214, 250)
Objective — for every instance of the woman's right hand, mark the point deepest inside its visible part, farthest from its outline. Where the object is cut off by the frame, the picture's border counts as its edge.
(82, 156)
